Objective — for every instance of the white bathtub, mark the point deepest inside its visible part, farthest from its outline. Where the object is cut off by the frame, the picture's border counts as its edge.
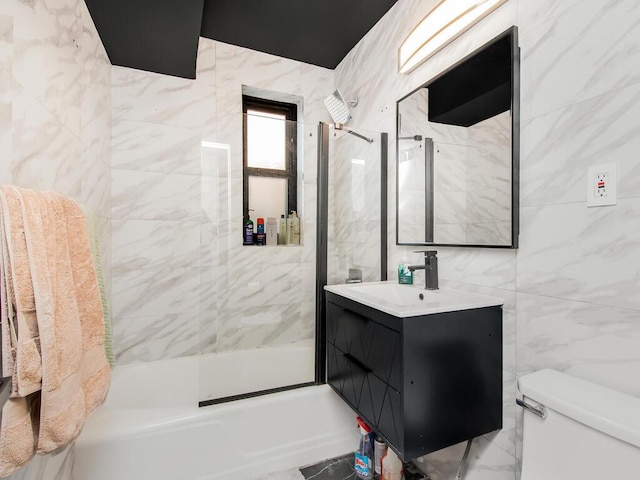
(151, 428)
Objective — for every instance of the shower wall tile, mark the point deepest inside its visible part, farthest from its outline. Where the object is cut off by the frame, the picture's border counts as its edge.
(93, 57)
(152, 147)
(95, 185)
(155, 291)
(277, 285)
(598, 343)
(163, 178)
(140, 244)
(594, 255)
(155, 196)
(237, 66)
(263, 325)
(6, 92)
(46, 154)
(45, 60)
(55, 127)
(567, 141)
(157, 336)
(96, 119)
(162, 99)
(316, 84)
(561, 66)
(208, 332)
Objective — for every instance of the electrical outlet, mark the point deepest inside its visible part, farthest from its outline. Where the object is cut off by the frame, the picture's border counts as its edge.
(601, 185)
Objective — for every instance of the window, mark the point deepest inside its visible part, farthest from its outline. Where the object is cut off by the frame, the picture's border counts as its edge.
(270, 157)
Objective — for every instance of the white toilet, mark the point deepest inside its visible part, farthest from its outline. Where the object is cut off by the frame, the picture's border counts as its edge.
(587, 432)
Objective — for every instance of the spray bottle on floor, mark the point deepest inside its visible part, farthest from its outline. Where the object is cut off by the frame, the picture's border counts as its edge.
(363, 464)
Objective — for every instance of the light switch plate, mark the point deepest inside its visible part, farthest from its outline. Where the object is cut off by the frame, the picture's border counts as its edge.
(601, 185)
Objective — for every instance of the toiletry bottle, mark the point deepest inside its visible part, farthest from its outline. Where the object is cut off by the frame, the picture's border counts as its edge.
(282, 231)
(261, 237)
(295, 221)
(391, 466)
(363, 461)
(379, 451)
(272, 231)
(248, 231)
(405, 276)
(290, 229)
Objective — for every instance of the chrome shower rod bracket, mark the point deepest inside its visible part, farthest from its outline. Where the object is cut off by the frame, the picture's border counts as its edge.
(339, 126)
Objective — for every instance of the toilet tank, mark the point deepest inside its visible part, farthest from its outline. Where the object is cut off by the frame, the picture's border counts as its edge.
(589, 432)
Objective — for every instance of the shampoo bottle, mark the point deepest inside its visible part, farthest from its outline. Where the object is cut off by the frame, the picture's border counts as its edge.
(290, 229)
(247, 236)
(282, 231)
(295, 222)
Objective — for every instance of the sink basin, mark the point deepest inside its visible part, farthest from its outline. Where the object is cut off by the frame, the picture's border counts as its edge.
(411, 300)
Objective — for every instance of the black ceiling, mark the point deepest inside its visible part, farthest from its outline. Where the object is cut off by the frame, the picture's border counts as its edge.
(162, 35)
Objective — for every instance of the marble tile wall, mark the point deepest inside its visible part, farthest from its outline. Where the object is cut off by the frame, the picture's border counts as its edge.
(55, 126)
(183, 282)
(572, 287)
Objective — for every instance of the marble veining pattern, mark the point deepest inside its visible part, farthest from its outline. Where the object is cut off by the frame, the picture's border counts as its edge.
(155, 196)
(582, 69)
(591, 255)
(55, 128)
(155, 147)
(177, 208)
(160, 335)
(571, 336)
(579, 74)
(568, 140)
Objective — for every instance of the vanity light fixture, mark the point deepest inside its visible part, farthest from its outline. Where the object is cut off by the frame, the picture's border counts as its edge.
(443, 24)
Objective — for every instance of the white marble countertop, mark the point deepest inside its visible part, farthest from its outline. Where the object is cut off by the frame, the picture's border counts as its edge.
(412, 300)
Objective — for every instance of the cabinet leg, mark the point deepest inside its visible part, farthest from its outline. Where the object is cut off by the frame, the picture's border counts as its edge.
(463, 462)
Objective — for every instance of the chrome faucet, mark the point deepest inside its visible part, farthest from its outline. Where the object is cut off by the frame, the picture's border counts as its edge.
(430, 268)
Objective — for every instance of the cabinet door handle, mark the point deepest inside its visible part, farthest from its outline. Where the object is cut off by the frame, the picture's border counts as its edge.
(357, 362)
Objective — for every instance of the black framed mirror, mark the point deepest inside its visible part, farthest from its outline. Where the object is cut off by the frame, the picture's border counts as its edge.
(458, 149)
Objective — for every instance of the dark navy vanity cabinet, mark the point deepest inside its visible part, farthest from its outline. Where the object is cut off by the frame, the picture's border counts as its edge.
(424, 382)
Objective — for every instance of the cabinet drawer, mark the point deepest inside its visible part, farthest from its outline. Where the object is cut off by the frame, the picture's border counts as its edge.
(377, 402)
(375, 346)
(345, 375)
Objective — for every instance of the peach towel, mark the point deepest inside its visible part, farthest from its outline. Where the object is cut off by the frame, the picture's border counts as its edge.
(70, 324)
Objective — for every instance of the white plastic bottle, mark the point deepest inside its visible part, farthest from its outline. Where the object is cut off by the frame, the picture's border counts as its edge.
(272, 231)
(293, 229)
(296, 229)
(391, 466)
(282, 231)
